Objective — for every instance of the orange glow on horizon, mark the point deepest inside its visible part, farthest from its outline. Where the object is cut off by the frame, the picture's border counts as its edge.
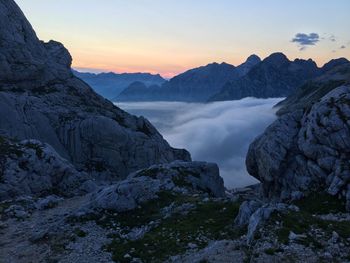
(164, 71)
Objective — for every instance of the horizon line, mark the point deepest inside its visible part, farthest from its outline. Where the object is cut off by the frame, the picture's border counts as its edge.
(167, 76)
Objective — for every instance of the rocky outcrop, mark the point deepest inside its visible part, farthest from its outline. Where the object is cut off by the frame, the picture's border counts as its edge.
(110, 85)
(30, 168)
(41, 99)
(307, 148)
(23, 58)
(147, 184)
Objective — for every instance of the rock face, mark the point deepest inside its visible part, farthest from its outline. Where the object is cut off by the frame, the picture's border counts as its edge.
(22, 57)
(275, 76)
(197, 84)
(110, 85)
(41, 99)
(307, 148)
(244, 68)
(147, 184)
(35, 169)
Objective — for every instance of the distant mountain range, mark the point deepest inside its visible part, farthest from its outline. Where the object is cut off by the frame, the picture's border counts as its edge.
(109, 85)
(275, 76)
(197, 84)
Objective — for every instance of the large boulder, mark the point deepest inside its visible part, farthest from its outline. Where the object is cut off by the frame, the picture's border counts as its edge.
(31, 168)
(41, 99)
(144, 185)
(306, 150)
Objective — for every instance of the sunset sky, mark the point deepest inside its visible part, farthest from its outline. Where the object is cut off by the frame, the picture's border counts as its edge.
(171, 36)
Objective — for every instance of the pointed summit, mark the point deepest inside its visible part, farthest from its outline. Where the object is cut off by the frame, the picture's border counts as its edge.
(244, 68)
(23, 56)
(334, 63)
(277, 58)
(253, 59)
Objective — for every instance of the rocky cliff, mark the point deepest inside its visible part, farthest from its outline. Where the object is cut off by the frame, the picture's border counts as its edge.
(307, 148)
(41, 99)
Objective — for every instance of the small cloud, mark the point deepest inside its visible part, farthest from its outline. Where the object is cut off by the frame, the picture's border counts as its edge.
(332, 38)
(343, 47)
(304, 40)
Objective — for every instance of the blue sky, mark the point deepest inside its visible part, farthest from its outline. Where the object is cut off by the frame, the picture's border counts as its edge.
(171, 36)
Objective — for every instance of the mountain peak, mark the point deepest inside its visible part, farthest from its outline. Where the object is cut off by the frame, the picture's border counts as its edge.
(19, 45)
(253, 59)
(277, 58)
(334, 62)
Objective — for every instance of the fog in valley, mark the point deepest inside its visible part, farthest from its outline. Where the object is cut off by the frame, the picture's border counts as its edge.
(216, 132)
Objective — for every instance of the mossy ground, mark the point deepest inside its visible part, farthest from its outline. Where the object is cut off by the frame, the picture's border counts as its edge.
(307, 220)
(38, 150)
(210, 220)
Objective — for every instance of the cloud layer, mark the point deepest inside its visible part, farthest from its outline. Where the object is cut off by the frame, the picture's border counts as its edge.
(217, 132)
(304, 40)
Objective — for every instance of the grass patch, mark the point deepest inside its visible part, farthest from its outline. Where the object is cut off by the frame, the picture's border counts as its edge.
(272, 251)
(38, 150)
(80, 233)
(8, 148)
(303, 221)
(209, 221)
(148, 212)
(321, 203)
(43, 90)
(150, 172)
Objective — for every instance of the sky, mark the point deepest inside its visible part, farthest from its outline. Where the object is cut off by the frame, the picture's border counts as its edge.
(218, 132)
(171, 36)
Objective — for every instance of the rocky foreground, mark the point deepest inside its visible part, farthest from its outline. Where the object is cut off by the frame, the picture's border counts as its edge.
(83, 181)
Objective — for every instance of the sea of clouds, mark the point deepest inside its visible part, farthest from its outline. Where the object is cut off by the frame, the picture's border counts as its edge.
(217, 132)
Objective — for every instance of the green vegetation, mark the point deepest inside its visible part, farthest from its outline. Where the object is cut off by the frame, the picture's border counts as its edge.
(150, 172)
(98, 166)
(149, 211)
(273, 251)
(44, 90)
(80, 233)
(306, 219)
(38, 150)
(170, 236)
(8, 148)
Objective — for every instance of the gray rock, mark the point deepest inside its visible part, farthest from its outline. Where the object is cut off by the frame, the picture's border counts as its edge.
(145, 185)
(16, 211)
(262, 214)
(33, 168)
(304, 151)
(246, 210)
(256, 220)
(295, 237)
(41, 99)
(48, 202)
